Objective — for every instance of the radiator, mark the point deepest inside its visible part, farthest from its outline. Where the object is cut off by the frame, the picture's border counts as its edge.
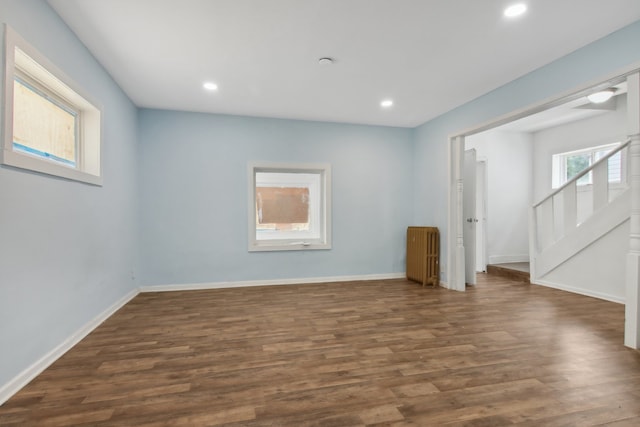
(423, 251)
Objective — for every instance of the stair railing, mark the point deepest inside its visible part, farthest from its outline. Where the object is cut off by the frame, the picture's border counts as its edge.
(564, 210)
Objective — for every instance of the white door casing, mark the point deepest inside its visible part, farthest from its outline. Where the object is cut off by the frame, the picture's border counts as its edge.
(632, 301)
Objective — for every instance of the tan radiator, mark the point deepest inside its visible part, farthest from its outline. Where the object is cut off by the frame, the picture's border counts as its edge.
(423, 249)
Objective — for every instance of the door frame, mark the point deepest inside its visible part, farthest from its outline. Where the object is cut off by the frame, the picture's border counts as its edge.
(455, 241)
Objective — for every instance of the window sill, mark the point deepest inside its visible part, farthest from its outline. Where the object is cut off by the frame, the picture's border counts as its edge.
(33, 164)
(287, 246)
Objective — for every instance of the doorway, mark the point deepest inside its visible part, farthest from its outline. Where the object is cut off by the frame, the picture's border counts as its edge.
(457, 252)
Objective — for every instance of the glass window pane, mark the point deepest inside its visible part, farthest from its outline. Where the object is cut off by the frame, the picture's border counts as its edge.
(287, 205)
(42, 127)
(282, 208)
(614, 164)
(576, 164)
(615, 167)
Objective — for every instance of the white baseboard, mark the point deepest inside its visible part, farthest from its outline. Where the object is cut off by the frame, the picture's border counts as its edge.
(580, 291)
(504, 259)
(274, 282)
(16, 384)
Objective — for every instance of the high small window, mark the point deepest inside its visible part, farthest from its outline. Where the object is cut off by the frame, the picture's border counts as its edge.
(43, 125)
(567, 165)
(289, 207)
(50, 126)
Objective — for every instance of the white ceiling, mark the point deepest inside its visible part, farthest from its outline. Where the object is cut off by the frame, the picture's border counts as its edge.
(429, 56)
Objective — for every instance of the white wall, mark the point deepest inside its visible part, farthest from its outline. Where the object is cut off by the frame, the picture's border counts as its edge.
(509, 182)
(602, 129)
(599, 269)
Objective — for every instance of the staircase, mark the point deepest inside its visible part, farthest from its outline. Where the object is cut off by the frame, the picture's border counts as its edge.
(570, 219)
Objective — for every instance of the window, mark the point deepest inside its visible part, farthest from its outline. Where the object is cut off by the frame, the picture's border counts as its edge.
(567, 165)
(289, 207)
(50, 126)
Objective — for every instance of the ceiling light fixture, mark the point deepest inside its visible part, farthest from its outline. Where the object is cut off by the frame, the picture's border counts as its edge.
(515, 10)
(210, 86)
(325, 61)
(386, 103)
(601, 96)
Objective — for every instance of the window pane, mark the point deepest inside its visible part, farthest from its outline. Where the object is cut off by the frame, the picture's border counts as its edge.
(615, 167)
(282, 208)
(576, 164)
(41, 126)
(614, 164)
(287, 205)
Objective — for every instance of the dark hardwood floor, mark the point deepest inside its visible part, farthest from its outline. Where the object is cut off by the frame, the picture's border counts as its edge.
(389, 353)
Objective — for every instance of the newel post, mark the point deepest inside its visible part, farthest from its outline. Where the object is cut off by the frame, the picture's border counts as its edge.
(632, 302)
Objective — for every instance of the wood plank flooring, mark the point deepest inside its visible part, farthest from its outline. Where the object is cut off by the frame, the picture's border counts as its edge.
(389, 353)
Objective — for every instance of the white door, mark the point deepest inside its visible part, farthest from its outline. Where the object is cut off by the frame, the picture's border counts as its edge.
(469, 216)
(481, 215)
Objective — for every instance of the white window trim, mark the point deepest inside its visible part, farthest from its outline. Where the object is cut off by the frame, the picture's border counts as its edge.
(293, 244)
(89, 165)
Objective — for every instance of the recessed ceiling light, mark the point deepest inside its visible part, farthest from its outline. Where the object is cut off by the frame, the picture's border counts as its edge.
(600, 97)
(515, 10)
(210, 86)
(386, 103)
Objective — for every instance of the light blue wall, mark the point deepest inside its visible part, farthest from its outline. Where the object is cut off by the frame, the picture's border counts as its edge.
(67, 250)
(193, 194)
(431, 157)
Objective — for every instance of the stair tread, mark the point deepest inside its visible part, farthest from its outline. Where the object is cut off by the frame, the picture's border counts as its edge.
(515, 271)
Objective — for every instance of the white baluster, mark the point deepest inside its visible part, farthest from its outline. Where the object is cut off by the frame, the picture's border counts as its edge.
(545, 224)
(600, 186)
(570, 207)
